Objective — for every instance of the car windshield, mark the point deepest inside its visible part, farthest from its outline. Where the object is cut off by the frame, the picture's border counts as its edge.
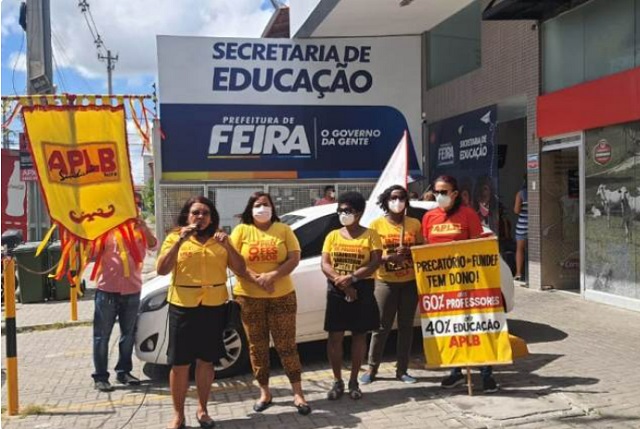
(290, 219)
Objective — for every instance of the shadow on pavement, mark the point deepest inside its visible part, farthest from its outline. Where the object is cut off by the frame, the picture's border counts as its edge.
(533, 332)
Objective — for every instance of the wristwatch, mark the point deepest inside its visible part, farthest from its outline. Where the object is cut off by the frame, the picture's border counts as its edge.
(354, 278)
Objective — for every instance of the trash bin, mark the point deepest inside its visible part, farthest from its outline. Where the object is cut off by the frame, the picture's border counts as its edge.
(60, 287)
(33, 287)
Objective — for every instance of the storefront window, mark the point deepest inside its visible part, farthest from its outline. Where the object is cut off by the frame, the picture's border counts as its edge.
(454, 45)
(612, 227)
(589, 42)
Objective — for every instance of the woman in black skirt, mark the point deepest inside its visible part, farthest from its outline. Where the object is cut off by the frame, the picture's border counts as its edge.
(197, 255)
(350, 256)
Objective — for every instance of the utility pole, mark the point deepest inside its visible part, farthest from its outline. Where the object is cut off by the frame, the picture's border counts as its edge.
(110, 66)
(39, 81)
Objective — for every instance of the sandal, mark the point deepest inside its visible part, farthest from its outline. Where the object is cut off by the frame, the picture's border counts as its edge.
(260, 406)
(206, 424)
(336, 391)
(354, 391)
(303, 409)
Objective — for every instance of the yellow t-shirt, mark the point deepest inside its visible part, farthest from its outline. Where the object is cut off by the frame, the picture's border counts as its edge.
(203, 265)
(347, 255)
(390, 236)
(264, 251)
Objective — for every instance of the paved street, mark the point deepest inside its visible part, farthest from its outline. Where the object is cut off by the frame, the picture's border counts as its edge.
(582, 372)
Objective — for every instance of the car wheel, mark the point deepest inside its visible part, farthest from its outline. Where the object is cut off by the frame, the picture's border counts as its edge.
(156, 371)
(236, 360)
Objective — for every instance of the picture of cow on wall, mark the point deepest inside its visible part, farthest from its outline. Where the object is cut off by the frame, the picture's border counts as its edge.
(612, 221)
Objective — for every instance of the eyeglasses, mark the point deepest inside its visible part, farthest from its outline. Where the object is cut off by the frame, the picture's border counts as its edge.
(442, 192)
(346, 211)
(198, 213)
(395, 197)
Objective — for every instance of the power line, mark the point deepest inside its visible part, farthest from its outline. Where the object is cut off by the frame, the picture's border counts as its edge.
(58, 41)
(97, 40)
(15, 63)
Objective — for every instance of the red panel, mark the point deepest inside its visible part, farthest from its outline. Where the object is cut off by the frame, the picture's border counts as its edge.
(14, 192)
(611, 100)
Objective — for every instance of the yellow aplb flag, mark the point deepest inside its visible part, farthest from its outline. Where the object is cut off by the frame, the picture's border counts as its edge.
(461, 304)
(82, 159)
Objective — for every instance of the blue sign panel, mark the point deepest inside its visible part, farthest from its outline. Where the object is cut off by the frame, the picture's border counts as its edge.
(464, 147)
(217, 141)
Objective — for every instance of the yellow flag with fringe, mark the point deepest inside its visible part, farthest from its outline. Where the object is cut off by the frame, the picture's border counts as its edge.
(81, 156)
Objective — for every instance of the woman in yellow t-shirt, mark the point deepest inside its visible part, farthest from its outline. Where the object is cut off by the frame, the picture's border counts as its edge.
(197, 254)
(267, 297)
(350, 256)
(396, 291)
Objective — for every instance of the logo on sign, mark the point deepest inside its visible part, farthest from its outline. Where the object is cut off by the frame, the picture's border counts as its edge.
(83, 164)
(246, 137)
(446, 155)
(602, 152)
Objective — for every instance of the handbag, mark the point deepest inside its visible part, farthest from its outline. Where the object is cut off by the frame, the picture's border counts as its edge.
(232, 312)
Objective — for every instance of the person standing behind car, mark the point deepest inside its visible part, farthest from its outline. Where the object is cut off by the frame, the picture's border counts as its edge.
(454, 221)
(197, 254)
(118, 296)
(267, 299)
(328, 196)
(350, 255)
(395, 285)
(521, 209)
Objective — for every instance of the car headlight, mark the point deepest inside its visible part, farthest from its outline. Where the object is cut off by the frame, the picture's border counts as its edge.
(154, 301)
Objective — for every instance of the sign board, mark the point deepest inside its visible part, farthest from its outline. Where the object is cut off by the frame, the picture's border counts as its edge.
(464, 147)
(281, 108)
(461, 304)
(14, 194)
(27, 171)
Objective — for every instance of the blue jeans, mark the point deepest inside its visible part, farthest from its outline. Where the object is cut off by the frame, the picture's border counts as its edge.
(108, 307)
(486, 371)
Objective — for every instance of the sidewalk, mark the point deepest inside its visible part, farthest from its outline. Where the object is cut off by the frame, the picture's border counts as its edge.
(582, 372)
(50, 314)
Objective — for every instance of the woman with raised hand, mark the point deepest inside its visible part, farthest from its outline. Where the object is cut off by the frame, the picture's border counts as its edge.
(350, 257)
(267, 297)
(197, 255)
(395, 285)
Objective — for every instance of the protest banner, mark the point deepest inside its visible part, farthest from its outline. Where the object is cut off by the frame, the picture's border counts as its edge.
(82, 161)
(461, 304)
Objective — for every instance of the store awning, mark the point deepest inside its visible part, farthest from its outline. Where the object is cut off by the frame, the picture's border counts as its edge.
(503, 10)
(353, 18)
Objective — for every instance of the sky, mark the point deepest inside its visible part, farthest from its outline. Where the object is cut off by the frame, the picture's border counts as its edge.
(128, 28)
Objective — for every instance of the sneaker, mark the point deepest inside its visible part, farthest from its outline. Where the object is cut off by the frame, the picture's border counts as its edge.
(406, 378)
(489, 385)
(128, 379)
(354, 391)
(103, 386)
(336, 391)
(518, 278)
(368, 377)
(452, 381)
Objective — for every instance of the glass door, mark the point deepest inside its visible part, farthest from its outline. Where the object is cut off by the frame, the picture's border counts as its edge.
(560, 218)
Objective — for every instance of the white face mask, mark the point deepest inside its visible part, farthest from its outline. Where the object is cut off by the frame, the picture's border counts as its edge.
(262, 213)
(332, 194)
(397, 206)
(347, 219)
(443, 201)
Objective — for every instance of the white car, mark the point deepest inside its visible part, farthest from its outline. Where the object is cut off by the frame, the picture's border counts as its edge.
(310, 225)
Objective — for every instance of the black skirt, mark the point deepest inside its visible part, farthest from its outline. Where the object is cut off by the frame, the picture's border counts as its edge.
(359, 316)
(196, 333)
